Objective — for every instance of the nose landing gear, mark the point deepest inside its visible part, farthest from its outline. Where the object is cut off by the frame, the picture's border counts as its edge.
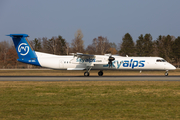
(166, 73)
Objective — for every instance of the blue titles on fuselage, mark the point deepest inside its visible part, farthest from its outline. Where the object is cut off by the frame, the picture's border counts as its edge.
(133, 64)
(85, 60)
(127, 63)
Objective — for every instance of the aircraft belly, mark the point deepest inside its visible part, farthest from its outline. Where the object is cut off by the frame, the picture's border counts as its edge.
(74, 66)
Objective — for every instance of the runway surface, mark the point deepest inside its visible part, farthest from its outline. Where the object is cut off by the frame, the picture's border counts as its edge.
(90, 78)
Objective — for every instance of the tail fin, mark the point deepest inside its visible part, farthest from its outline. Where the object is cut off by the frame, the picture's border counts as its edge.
(25, 52)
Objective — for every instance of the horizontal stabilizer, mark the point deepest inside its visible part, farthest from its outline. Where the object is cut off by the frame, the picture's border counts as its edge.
(18, 35)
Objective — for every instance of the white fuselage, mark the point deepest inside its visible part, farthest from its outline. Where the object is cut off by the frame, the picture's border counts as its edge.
(100, 62)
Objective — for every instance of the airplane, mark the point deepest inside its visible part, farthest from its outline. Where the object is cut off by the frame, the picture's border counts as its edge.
(86, 62)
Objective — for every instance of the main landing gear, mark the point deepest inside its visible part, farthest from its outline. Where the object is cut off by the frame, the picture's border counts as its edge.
(100, 73)
(87, 71)
(86, 74)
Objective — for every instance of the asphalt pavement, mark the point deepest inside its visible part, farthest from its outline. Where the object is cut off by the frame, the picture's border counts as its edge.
(90, 78)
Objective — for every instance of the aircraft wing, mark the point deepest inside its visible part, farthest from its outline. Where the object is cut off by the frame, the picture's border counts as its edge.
(89, 60)
(84, 56)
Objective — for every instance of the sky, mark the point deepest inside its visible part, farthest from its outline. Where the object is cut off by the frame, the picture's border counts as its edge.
(107, 18)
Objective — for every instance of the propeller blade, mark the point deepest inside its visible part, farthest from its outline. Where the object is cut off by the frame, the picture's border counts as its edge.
(110, 61)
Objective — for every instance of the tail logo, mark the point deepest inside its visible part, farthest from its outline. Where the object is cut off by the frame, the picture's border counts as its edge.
(23, 49)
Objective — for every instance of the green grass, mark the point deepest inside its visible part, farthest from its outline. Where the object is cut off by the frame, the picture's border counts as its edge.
(90, 100)
(80, 73)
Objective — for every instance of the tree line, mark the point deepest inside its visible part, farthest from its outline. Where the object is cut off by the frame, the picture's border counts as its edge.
(167, 47)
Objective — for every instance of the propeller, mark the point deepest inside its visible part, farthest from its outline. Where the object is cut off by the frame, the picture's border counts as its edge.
(110, 60)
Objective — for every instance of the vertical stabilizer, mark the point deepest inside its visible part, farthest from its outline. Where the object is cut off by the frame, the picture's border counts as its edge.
(25, 52)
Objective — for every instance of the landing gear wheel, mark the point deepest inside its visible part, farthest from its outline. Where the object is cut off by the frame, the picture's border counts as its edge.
(100, 73)
(86, 74)
(166, 73)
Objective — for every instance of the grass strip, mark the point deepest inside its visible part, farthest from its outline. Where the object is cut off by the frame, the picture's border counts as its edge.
(90, 100)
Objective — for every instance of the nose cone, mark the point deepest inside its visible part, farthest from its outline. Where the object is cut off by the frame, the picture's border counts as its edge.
(170, 67)
(173, 67)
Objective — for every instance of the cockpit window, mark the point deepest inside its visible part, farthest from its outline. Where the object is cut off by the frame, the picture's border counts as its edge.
(160, 60)
(163, 60)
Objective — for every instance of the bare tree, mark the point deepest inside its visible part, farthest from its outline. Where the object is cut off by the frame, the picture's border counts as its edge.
(99, 45)
(55, 45)
(67, 48)
(113, 48)
(77, 44)
(4, 46)
(36, 44)
(91, 49)
(11, 58)
(45, 45)
(51, 45)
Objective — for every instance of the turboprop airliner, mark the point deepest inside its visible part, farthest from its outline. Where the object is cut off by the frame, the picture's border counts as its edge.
(80, 61)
